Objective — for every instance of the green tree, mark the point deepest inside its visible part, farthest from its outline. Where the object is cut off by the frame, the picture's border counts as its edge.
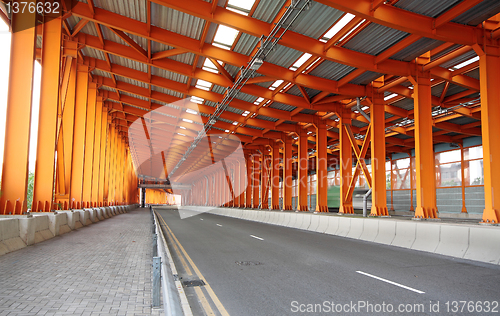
(31, 182)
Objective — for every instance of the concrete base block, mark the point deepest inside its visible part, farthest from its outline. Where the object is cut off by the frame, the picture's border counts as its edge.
(293, 219)
(13, 244)
(386, 232)
(453, 241)
(305, 220)
(332, 226)
(484, 245)
(426, 237)
(370, 229)
(344, 226)
(315, 218)
(356, 228)
(42, 228)
(322, 224)
(27, 227)
(93, 216)
(405, 234)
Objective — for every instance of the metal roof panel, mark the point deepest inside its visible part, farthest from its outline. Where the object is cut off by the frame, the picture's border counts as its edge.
(374, 39)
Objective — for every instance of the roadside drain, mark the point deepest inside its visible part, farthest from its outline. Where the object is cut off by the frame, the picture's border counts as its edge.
(193, 283)
(248, 263)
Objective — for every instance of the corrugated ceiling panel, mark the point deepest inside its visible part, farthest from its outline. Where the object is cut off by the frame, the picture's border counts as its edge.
(406, 104)
(90, 29)
(454, 89)
(366, 77)
(134, 96)
(460, 59)
(186, 58)
(479, 13)
(331, 70)
(374, 39)
(135, 9)
(266, 118)
(432, 8)
(234, 110)
(308, 111)
(281, 106)
(90, 52)
(267, 9)
(474, 73)
(246, 97)
(233, 70)
(283, 56)
(128, 63)
(98, 72)
(438, 89)
(462, 120)
(159, 47)
(167, 91)
(109, 35)
(246, 43)
(444, 52)
(254, 127)
(132, 81)
(176, 21)
(416, 49)
(317, 20)
(218, 89)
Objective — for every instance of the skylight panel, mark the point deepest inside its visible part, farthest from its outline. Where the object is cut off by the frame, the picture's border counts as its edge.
(208, 65)
(235, 123)
(338, 26)
(300, 61)
(275, 84)
(257, 102)
(390, 96)
(243, 4)
(465, 63)
(352, 30)
(187, 120)
(202, 84)
(197, 100)
(182, 127)
(191, 111)
(224, 37)
(245, 113)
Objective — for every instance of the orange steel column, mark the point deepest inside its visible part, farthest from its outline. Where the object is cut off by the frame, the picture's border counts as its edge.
(82, 83)
(256, 179)
(489, 65)
(275, 172)
(287, 174)
(237, 184)
(243, 182)
(264, 194)
(43, 189)
(104, 129)
(379, 194)
(18, 119)
(345, 165)
(303, 166)
(321, 167)
(89, 144)
(424, 151)
(97, 150)
(248, 193)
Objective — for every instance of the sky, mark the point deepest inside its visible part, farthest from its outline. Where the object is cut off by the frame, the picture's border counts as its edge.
(4, 82)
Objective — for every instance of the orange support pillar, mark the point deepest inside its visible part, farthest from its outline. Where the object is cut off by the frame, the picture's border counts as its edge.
(379, 195)
(18, 119)
(89, 143)
(489, 65)
(237, 184)
(243, 182)
(82, 84)
(287, 174)
(303, 166)
(248, 203)
(424, 151)
(345, 165)
(275, 172)
(103, 156)
(256, 179)
(321, 168)
(99, 115)
(43, 189)
(264, 191)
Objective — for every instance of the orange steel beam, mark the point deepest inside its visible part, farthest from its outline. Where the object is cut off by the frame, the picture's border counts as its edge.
(248, 195)
(129, 41)
(454, 12)
(167, 53)
(89, 143)
(256, 178)
(489, 63)
(303, 163)
(103, 157)
(264, 196)
(97, 150)
(17, 129)
(82, 82)
(321, 167)
(43, 189)
(287, 172)
(424, 152)
(378, 154)
(407, 21)
(275, 181)
(345, 165)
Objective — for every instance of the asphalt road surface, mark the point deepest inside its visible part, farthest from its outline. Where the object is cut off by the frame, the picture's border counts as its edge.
(252, 268)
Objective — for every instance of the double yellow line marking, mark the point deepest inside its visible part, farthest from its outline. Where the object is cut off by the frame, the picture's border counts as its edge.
(181, 254)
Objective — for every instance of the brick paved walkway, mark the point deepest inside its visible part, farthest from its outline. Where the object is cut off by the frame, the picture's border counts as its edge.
(101, 269)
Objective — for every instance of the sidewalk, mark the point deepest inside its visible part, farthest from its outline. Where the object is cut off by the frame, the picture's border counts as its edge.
(101, 269)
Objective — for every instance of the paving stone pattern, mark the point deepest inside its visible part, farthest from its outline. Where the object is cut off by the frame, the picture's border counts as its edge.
(100, 269)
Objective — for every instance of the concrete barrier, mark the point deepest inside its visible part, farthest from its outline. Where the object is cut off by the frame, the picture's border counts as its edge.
(332, 226)
(356, 229)
(293, 219)
(73, 219)
(315, 218)
(322, 224)
(405, 234)
(386, 232)
(344, 226)
(427, 237)
(42, 229)
(277, 218)
(10, 239)
(484, 244)
(286, 219)
(306, 220)
(453, 241)
(84, 217)
(370, 229)
(93, 215)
